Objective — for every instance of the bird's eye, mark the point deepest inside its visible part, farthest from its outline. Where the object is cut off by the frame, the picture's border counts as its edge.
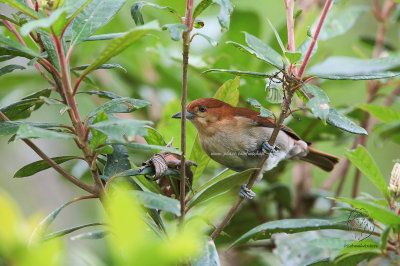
(202, 109)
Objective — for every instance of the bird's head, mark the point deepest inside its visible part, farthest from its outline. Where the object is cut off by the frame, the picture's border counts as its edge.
(206, 114)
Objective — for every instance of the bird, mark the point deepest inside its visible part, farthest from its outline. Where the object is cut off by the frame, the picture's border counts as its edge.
(237, 138)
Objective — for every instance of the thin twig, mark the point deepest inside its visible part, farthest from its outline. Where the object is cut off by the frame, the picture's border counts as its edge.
(57, 167)
(290, 28)
(303, 66)
(185, 58)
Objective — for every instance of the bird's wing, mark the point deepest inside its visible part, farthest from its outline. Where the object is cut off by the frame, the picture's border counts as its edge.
(262, 121)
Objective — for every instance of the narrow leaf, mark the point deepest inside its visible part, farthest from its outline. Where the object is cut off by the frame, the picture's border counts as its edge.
(224, 14)
(103, 66)
(119, 105)
(27, 131)
(203, 5)
(338, 120)
(210, 40)
(10, 68)
(289, 226)
(94, 16)
(383, 113)
(319, 103)
(347, 68)
(38, 166)
(263, 111)
(102, 94)
(278, 38)
(136, 10)
(240, 73)
(375, 211)
(117, 45)
(68, 231)
(220, 187)
(26, 52)
(90, 235)
(158, 202)
(10, 128)
(21, 6)
(366, 164)
(58, 15)
(175, 30)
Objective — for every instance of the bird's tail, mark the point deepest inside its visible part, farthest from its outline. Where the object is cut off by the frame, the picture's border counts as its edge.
(323, 160)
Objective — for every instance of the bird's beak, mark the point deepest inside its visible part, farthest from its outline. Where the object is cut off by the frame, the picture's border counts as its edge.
(189, 115)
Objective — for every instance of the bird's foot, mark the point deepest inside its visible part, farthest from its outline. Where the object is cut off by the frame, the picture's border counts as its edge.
(266, 148)
(246, 193)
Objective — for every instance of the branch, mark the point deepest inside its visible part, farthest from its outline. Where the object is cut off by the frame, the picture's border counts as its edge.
(57, 167)
(185, 58)
(290, 29)
(303, 66)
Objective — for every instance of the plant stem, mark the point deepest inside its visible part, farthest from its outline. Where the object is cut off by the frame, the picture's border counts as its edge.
(290, 28)
(57, 167)
(185, 58)
(303, 66)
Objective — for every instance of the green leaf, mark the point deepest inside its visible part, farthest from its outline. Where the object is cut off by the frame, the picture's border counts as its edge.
(38, 166)
(44, 224)
(94, 16)
(153, 137)
(339, 21)
(98, 138)
(6, 57)
(117, 162)
(10, 128)
(10, 68)
(293, 57)
(356, 257)
(103, 66)
(224, 14)
(136, 11)
(263, 111)
(158, 202)
(26, 106)
(203, 5)
(117, 45)
(338, 120)
(228, 93)
(384, 237)
(264, 51)
(210, 40)
(220, 187)
(175, 30)
(102, 94)
(21, 50)
(383, 113)
(27, 131)
(122, 129)
(366, 164)
(102, 37)
(50, 48)
(119, 105)
(289, 226)
(21, 6)
(379, 213)
(141, 146)
(347, 68)
(208, 255)
(68, 231)
(58, 18)
(90, 235)
(278, 38)
(319, 103)
(240, 73)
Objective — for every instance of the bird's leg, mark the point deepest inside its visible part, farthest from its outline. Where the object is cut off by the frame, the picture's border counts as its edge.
(266, 148)
(245, 192)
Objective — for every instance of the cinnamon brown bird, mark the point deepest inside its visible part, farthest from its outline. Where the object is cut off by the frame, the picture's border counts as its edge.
(238, 138)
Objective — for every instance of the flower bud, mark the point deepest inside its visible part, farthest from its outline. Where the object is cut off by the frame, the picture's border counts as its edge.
(394, 186)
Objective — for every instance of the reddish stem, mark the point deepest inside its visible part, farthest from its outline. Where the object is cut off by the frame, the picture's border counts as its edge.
(290, 29)
(328, 4)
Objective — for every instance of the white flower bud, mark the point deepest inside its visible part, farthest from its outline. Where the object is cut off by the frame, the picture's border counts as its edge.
(394, 186)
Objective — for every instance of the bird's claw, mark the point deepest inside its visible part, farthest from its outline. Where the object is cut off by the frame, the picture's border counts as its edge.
(266, 148)
(246, 192)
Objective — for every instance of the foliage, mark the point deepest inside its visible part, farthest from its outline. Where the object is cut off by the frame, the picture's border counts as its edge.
(109, 82)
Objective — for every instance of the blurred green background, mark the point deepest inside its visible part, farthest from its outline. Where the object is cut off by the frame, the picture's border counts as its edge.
(154, 73)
